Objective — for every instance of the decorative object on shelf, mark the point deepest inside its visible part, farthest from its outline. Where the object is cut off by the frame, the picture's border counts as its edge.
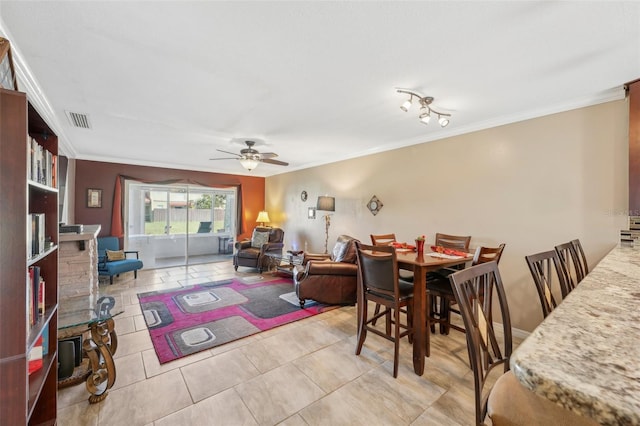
(7, 70)
(250, 158)
(303, 195)
(94, 198)
(374, 205)
(263, 217)
(425, 107)
(327, 204)
(311, 214)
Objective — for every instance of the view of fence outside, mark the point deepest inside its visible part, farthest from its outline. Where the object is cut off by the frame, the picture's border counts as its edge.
(178, 220)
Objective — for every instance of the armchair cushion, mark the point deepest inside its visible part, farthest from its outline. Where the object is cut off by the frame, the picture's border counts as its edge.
(259, 238)
(115, 255)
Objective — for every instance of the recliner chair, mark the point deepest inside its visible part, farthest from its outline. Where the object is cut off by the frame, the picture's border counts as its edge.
(254, 253)
(329, 278)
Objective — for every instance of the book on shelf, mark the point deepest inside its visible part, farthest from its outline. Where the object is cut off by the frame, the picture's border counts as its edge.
(41, 164)
(35, 294)
(35, 356)
(37, 233)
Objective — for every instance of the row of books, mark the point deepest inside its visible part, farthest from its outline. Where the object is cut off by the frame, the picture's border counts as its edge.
(41, 164)
(35, 294)
(35, 234)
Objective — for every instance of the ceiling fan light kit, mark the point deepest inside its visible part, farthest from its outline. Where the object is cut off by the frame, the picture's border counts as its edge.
(250, 158)
(425, 107)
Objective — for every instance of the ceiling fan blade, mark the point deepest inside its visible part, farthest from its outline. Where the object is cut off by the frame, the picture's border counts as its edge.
(276, 162)
(227, 152)
(267, 155)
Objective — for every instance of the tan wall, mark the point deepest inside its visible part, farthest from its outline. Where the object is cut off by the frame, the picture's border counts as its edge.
(531, 185)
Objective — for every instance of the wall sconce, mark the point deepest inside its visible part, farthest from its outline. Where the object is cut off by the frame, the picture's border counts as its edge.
(327, 204)
(263, 217)
(425, 107)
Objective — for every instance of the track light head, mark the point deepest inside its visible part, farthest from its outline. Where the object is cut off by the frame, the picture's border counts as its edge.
(406, 105)
(425, 117)
(444, 121)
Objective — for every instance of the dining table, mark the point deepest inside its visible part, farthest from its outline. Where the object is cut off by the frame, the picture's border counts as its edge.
(585, 356)
(420, 264)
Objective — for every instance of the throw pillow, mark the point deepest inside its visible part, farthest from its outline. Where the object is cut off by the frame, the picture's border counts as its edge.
(115, 255)
(259, 239)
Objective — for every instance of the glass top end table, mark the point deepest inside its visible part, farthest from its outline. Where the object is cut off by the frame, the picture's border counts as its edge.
(79, 316)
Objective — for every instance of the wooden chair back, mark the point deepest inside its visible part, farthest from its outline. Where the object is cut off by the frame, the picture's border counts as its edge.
(474, 289)
(487, 254)
(569, 264)
(584, 266)
(383, 239)
(453, 241)
(546, 271)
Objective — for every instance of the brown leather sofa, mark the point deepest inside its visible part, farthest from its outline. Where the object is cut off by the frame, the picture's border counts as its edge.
(257, 257)
(329, 278)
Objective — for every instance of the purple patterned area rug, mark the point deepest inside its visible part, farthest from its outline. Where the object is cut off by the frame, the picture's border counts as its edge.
(192, 319)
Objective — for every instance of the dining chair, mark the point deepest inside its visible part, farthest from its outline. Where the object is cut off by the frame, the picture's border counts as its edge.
(379, 282)
(385, 240)
(584, 266)
(569, 264)
(546, 270)
(441, 287)
(453, 241)
(490, 345)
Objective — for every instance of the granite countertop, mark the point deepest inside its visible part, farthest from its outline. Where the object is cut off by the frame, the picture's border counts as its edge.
(88, 232)
(585, 356)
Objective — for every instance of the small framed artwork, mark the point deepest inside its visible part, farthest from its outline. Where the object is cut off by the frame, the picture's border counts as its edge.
(312, 213)
(94, 198)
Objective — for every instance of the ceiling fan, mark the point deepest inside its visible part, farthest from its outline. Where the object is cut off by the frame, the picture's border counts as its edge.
(250, 158)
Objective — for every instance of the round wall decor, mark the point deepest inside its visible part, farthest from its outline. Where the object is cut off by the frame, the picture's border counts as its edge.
(303, 195)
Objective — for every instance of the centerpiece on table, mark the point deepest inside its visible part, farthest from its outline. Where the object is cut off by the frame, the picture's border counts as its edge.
(420, 244)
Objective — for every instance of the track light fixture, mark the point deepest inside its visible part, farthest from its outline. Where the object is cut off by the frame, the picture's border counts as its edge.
(425, 107)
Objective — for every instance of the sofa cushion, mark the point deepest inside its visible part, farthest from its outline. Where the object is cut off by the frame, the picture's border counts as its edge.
(344, 250)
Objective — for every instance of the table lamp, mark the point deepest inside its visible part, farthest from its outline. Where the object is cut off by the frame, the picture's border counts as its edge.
(263, 217)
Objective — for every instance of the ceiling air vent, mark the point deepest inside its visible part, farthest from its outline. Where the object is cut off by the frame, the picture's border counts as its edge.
(78, 120)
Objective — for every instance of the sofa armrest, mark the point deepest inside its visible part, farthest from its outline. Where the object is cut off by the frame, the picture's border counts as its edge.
(315, 256)
(331, 268)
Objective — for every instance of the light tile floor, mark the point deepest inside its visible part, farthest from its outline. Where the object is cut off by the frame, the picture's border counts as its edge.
(304, 373)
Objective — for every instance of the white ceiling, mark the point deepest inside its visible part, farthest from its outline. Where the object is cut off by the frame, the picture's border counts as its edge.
(166, 83)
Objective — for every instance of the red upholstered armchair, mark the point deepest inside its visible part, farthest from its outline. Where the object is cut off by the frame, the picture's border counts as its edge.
(329, 278)
(253, 253)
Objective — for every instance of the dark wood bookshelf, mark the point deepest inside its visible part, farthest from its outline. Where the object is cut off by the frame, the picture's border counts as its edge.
(26, 399)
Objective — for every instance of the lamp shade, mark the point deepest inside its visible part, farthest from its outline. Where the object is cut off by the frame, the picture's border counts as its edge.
(327, 204)
(263, 217)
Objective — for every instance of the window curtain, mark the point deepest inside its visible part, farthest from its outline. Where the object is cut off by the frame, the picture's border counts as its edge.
(117, 213)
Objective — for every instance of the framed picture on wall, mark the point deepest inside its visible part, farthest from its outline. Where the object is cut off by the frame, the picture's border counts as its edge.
(94, 198)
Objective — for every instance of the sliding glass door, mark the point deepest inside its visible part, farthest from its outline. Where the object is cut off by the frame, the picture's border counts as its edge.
(179, 224)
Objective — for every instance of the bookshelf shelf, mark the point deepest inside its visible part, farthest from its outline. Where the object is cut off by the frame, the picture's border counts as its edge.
(25, 334)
